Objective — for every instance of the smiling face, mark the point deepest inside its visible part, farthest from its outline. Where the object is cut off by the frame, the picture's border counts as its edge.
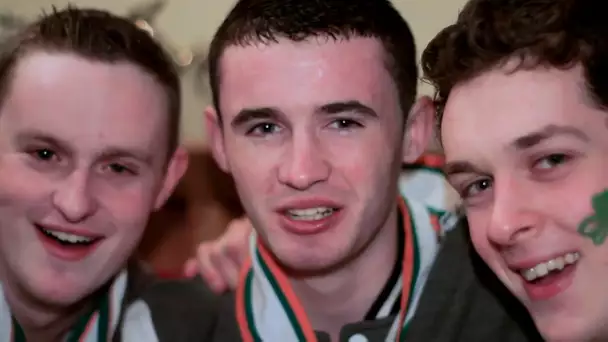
(527, 151)
(312, 133)
(83, 162)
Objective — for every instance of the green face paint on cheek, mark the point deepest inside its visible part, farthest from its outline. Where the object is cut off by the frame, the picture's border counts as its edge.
(595, 226)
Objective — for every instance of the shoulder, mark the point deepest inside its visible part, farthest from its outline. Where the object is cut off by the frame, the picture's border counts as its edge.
(227, 329)
(182, 310)
(174, 310)
(463, 286)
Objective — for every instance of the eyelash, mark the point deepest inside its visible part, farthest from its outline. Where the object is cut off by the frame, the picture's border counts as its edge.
(36, 153)
(349, 123)
(255, 129)
(562, 158)
(465, 193)
(124, 170)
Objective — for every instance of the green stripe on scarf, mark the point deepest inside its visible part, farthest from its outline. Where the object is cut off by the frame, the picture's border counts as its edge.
(249, 307)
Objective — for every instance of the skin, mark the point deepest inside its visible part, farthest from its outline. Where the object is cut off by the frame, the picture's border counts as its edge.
(90, 158)
(331, 128)
(527, 151)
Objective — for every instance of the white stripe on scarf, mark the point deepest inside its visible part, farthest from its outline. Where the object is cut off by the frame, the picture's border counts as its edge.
(270, 318)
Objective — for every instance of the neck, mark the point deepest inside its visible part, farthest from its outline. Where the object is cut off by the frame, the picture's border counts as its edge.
(345, 296)
(39, 320)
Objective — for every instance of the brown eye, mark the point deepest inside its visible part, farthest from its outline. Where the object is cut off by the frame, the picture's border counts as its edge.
(44, 154)
(551, 161)
(118, 168)
(345, 124)
(477, 187)
(263, 129)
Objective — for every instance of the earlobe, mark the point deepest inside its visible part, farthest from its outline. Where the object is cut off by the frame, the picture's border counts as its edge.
(176, 168)
(419, 129)
(215, 138)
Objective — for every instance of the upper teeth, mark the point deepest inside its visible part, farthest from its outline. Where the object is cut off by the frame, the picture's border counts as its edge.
(310, 214)
(66, 237)
(545, 268)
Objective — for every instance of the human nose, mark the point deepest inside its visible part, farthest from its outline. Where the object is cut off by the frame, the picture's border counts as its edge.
(304, 164)
(73, 197)
(513, 215)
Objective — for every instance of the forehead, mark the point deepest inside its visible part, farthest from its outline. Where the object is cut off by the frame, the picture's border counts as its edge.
(497, 107)
(298, 75)
(75, 98)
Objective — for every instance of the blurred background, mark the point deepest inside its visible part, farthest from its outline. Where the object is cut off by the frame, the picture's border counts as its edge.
(206, 200)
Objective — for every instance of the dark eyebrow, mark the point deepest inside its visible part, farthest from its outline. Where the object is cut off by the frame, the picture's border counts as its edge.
(347, 106)
(269, 113)
(248, 114)
(534, 138)
(455, 167)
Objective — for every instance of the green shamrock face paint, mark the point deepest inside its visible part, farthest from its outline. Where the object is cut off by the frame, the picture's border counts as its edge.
(595, 226)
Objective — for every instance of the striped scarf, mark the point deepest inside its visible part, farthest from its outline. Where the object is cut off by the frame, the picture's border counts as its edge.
(267, 308)
(95, 326)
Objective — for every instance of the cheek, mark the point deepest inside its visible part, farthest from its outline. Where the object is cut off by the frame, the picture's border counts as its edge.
(127, 207)
(256, 156)
(478, 233)
(254, 167)
(368, 158)
(22, 187)
(579, 190)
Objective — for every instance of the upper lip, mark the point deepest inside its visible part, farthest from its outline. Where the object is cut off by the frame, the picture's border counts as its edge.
(307, 203)
(529, 262)
(67, 230)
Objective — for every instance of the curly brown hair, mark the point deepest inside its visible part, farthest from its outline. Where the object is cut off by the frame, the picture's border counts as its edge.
(488, 33)
(98, 36)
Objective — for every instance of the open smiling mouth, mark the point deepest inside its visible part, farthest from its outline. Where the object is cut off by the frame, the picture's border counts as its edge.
(67, 239)
(550, 268)
(310, 214)
(548, 279)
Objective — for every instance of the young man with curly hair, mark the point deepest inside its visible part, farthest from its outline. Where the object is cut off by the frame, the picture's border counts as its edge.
(522, 97)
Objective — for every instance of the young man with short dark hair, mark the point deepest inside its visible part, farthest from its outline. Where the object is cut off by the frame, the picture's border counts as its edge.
(314, 112)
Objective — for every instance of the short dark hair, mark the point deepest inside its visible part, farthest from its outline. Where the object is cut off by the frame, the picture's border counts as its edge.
(552, 33)
(99, 36)
(265, 21)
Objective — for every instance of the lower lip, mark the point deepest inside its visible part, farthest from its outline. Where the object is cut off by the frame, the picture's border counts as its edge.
(66, 252)
(302, 227)
(552, 285)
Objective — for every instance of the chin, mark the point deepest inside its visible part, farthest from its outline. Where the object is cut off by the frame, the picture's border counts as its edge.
(60, 293)
(574, 329)
(564, 334)
(309, 261)
(309, 254)
(59, 289)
